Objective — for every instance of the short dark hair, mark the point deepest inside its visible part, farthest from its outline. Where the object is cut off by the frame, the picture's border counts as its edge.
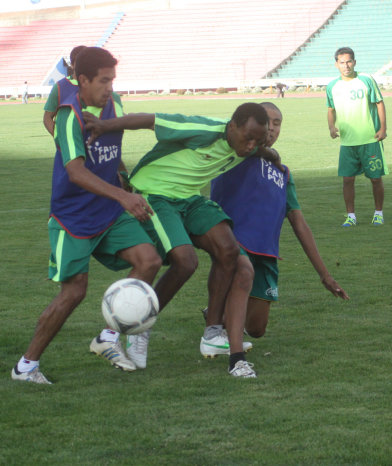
(91, 59)
(271, 106)
(248, 110)
(343, 51)
(74, 53)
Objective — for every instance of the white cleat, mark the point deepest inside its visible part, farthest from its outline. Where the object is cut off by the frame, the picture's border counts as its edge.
(113, 352)
(34, 375)
(243, 369)
(137, 346)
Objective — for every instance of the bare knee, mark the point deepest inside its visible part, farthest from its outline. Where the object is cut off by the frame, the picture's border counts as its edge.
(244, 274)
(256, 332)
(74, 290)
(183, 261)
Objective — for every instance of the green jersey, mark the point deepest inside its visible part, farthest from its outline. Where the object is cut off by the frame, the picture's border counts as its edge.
(355, 103)
(191, 151)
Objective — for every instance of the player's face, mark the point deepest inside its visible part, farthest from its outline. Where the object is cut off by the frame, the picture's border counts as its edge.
(345, 64)
(246, 138)
(274, 124)
(98, 91)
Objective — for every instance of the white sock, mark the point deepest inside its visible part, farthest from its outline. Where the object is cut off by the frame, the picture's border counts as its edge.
(352, 215)
(378, 212)
(26, 365)
(109, 335)
(212, 331)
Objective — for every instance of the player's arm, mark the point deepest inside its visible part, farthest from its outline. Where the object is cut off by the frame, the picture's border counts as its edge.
(73, 153)
(331, 116)
(382, 132)
(48, 121)
(308, 243)
(130, 121)
(83, 177)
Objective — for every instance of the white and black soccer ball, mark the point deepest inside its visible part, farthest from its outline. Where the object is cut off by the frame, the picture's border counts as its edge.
(130, 306)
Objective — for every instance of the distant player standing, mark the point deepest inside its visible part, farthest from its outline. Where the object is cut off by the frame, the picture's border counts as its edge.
(356, 106)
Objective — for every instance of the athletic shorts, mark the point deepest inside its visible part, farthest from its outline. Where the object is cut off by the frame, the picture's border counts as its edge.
(265, 282)
(175, 219)
(367, 158)
(71, 256)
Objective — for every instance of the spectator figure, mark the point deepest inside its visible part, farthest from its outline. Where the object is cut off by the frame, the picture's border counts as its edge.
(25, 94)
(280, 88)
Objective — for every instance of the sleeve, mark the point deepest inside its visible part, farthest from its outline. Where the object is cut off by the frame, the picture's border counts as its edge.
(291, 196)
(191, 131)
(374, 92)
(330, 103)
(53, 100)
(69, 135)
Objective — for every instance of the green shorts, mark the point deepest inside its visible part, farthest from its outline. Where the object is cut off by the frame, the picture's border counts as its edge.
(367, 158)
(71, 256)
(265, 282)
(175, 219)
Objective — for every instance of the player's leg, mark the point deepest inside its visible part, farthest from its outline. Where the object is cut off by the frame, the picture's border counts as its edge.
(349, 193)
(378, 193)
(372, 156)
(52, 319)
(69, 262)
(125, 244)
(182, 264)
(237, 302)
(223, 249)
(350, 166)
(257, 317)
(264, 291)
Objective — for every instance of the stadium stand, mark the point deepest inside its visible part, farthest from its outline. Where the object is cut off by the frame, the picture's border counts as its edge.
(191, 45)
(30, 52)
(210, 45)
(371, 39)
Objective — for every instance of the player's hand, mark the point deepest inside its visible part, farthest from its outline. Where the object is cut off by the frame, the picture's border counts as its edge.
(136, 205)
(93, 124)
(334, 287)
(334, 132)
(272, 155)
(380, 135)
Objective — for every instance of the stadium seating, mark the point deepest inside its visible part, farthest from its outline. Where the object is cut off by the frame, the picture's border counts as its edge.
(28, 53)
(185, 45)
(371, 39)
(216, 44)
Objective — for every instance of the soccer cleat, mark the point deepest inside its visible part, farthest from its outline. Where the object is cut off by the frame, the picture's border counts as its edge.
(113, 352)
(137, 348)
(214, 346)
(243, 369)
(378, 219)
(246, 345)
(34, 375)
(349, 222)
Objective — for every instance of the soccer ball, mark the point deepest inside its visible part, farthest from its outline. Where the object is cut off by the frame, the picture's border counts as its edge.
(130, 306)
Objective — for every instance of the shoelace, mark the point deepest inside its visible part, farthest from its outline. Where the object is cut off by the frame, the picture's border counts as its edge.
(141, 343)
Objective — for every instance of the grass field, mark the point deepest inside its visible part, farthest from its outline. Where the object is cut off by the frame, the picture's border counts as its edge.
(323, 394)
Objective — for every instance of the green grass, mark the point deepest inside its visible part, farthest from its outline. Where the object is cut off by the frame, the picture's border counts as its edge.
(323, 395)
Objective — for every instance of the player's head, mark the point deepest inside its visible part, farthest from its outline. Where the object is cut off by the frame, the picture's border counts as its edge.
(247, 129)
(345, 62)
(95, 72)
(74, 53)
(274, 122)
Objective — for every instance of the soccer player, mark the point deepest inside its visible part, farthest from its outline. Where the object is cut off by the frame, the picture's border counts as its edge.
(61, 91)
(89, 214)
(189, 153)
(269, 196)
(356, 112)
